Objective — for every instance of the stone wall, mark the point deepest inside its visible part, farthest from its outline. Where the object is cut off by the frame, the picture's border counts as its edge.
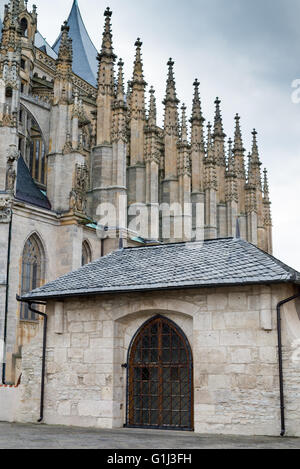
(9, 401)
(62, 243)
(232, 332)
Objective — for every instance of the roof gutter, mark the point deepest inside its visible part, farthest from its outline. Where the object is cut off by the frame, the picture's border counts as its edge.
(76, 294)
(44, 315)
(280, 361)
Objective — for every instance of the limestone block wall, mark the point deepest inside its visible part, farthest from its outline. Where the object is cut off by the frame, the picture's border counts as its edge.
(62, 244)
(232, 332)
(9, 401)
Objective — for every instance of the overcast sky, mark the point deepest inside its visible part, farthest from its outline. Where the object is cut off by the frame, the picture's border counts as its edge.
(245, 52)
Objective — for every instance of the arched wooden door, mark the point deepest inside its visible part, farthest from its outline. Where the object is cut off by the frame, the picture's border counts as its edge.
(160, 377)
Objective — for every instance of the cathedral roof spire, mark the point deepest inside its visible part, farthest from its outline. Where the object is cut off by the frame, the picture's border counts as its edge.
(266, 186)
(171, 96)
(218, 127)
(183, 130)
(171, 104)
(120, 82)
(107, 46)
(65, 53)
(231, 158)
(138, 76)
(255, 154)
(219, 136)
(239, 149)
(106, 81)
(85, 62)
(238, 141)
(197, 111)
(209, 141)
(152, 108)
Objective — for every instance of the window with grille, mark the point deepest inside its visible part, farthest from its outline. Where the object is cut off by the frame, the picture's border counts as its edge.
(160, 378)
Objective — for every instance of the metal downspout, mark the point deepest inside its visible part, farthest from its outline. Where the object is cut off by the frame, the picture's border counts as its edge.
(45, 316)
(280, 361)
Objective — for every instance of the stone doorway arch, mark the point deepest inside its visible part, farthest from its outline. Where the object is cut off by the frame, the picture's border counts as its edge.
(160, 377)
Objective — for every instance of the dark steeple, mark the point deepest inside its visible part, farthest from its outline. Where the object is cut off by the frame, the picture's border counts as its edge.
(85, 62)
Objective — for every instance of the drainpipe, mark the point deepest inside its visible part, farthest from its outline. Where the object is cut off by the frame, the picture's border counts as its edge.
(6, 299)
(44, 315)
(280, 361)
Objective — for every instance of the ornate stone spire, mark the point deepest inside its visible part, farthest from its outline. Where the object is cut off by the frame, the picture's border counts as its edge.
(120, 94)
(106, 58)
(183, 130)
(197, 112)
(210, 164)
(197, 143)
(138, 76)
(239, 149)
(197, 121)
(14, 8)
(231, 193)
(219, 136)
(171, 96)
(254, 164)
(152, 116)
(106, 84)
(218, 127)
(230, 159)
(255, 154)
(209, 145)
(238, 142)
(138, 85)
(63, 77)
(65, 53)
(119, 132)
(267, 207)
(11, 32)
(266, 187)
(171, 103)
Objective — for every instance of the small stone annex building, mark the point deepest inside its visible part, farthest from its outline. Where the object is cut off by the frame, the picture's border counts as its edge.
(144, 327)
(177, 336)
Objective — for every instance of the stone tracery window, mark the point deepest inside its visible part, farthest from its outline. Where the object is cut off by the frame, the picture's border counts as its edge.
(33, 148)
(86, 253)
(33, 271)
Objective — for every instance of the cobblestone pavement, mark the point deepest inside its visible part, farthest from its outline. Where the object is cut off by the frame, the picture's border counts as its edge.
(17, 436)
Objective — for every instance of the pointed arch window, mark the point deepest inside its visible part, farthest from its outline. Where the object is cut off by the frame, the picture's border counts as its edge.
(24, 27)
(86, 253)
(34, 148)
(33, 271)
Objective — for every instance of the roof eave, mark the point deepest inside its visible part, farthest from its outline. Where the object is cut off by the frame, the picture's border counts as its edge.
(126, 290)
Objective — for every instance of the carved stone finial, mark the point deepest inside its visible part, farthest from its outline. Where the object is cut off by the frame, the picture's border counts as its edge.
(108, 12)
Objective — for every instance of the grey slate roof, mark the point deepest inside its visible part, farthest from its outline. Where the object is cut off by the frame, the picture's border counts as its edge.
(222, 262)
(41, 43)
(85, 62)
(27, 190)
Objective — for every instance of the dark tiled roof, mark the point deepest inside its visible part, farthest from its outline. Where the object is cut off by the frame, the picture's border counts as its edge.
(215, 263)
(27, 190)
(85, 62)
(42, 44)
